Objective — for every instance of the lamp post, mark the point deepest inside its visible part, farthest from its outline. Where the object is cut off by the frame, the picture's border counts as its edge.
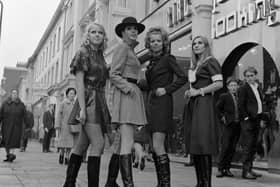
(1, 14)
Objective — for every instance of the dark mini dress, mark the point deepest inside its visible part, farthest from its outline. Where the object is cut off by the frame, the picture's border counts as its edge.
(160, 74)
(200, 118)
(92, 63)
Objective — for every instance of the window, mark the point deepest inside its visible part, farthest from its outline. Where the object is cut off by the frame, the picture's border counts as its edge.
(58, 38)
(46, 62)
(54, 43)
(56, 73)
(50, 52)
(122, 3)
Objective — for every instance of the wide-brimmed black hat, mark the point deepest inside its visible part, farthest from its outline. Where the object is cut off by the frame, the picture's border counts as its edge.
(127, 22)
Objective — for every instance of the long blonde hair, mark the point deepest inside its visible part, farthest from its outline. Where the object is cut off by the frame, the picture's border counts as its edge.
(86, 41)
(207, 52)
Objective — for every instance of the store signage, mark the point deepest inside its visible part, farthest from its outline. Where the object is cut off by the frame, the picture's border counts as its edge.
(254, 12)
(177, 12)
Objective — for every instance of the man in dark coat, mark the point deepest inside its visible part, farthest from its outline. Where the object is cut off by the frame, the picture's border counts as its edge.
(27, 130)
(12, 117)
(227, 106)
(48, 122)
(251, 112)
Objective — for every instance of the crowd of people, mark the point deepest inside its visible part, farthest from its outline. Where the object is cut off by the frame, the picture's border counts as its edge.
(239, 110)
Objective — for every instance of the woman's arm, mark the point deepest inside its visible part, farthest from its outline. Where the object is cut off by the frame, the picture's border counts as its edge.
(80, 86)
(59, 115)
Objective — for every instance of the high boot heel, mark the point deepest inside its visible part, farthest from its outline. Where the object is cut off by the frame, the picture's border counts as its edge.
(157, 168)
(93, 170)
(126, 170)
(113, 171)
(73, 170)
(164, 170)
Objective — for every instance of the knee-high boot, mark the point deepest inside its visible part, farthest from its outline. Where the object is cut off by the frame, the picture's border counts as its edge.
(198, 170)
(93, 170)
(164, 170)
(72, 170)
(206, 162)
(126, 170)
(156, 167)
(113, 171)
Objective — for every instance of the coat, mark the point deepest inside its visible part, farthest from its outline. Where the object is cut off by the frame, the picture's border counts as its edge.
(48, 120)
(29, 125)
(65, 137)
(12, 117)
(126, 108)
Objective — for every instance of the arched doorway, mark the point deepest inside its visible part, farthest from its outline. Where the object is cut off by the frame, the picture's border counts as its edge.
(253, 54)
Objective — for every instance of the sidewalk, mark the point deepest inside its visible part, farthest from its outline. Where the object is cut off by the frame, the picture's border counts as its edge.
(36, 169)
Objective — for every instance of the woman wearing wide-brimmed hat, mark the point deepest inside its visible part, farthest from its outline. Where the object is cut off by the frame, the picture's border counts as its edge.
(128, 108)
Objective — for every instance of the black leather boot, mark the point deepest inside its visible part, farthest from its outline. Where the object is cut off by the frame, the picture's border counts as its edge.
(93, 170)
(113, 171)
(72, 170)
(164, 170)
(198, 170)
(126, 170)
(206, 161)
(156, 167)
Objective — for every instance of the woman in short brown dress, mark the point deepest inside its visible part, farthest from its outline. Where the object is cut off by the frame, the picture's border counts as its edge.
(90, 70)
(205, 78)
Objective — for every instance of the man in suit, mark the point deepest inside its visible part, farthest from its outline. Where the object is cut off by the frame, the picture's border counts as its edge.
(28, 127)
(48, 122)
(227, 106)
(250, 110)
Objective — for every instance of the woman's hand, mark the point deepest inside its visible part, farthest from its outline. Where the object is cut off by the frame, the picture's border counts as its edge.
(160, 92)
(82, 117)
(192, 92)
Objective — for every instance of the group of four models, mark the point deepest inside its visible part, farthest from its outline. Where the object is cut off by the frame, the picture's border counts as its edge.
(128, 109)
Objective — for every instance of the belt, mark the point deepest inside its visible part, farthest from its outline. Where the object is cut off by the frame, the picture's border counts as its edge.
(131, 80)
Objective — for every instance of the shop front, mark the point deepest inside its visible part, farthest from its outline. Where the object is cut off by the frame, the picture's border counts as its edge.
(246, 33)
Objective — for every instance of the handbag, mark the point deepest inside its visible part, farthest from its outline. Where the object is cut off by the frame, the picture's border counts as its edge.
(73, 120)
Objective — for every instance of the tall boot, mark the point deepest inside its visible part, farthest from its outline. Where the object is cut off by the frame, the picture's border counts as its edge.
(164, 170)
(113, 171)
(156, 167)
(72, 170)
(206, 163)
(126, 170)
(93, 170)
(198, 170)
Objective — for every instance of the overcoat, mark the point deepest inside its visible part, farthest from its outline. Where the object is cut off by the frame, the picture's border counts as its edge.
(12, 117)
(65, 137)
(125, 107)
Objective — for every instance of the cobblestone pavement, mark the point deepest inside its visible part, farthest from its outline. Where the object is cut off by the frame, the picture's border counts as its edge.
(36, 169)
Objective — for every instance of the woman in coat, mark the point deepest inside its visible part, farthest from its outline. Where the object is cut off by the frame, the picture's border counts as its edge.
(127, 100)
(91, 73)
(159, 76)
(205, 78)
(12, 117)
(66, 139)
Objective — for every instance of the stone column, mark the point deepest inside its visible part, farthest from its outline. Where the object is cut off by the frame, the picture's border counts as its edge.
(201, 18)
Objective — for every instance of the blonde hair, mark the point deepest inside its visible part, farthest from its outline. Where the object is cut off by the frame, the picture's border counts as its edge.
(86, 41)
(164, 36)
(207, 52)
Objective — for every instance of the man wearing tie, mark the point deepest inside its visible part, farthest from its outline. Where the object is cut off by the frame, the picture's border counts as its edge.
(227, 106)
(48, 121)
(250, 111)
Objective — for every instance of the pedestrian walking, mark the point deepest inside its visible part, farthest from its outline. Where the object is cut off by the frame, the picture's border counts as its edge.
(251, 113)
(228, 113)
(205, 78)
(91, 73)
(48, 122)
(12, 116)
(66, 138)
(160, 85)
(128, 104)
(27, 128)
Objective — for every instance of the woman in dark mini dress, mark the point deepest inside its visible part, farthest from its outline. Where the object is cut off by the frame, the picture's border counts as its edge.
(90, 70)
(205, 78)
(160, 84)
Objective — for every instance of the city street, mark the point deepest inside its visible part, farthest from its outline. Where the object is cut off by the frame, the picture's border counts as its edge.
(36, 169)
